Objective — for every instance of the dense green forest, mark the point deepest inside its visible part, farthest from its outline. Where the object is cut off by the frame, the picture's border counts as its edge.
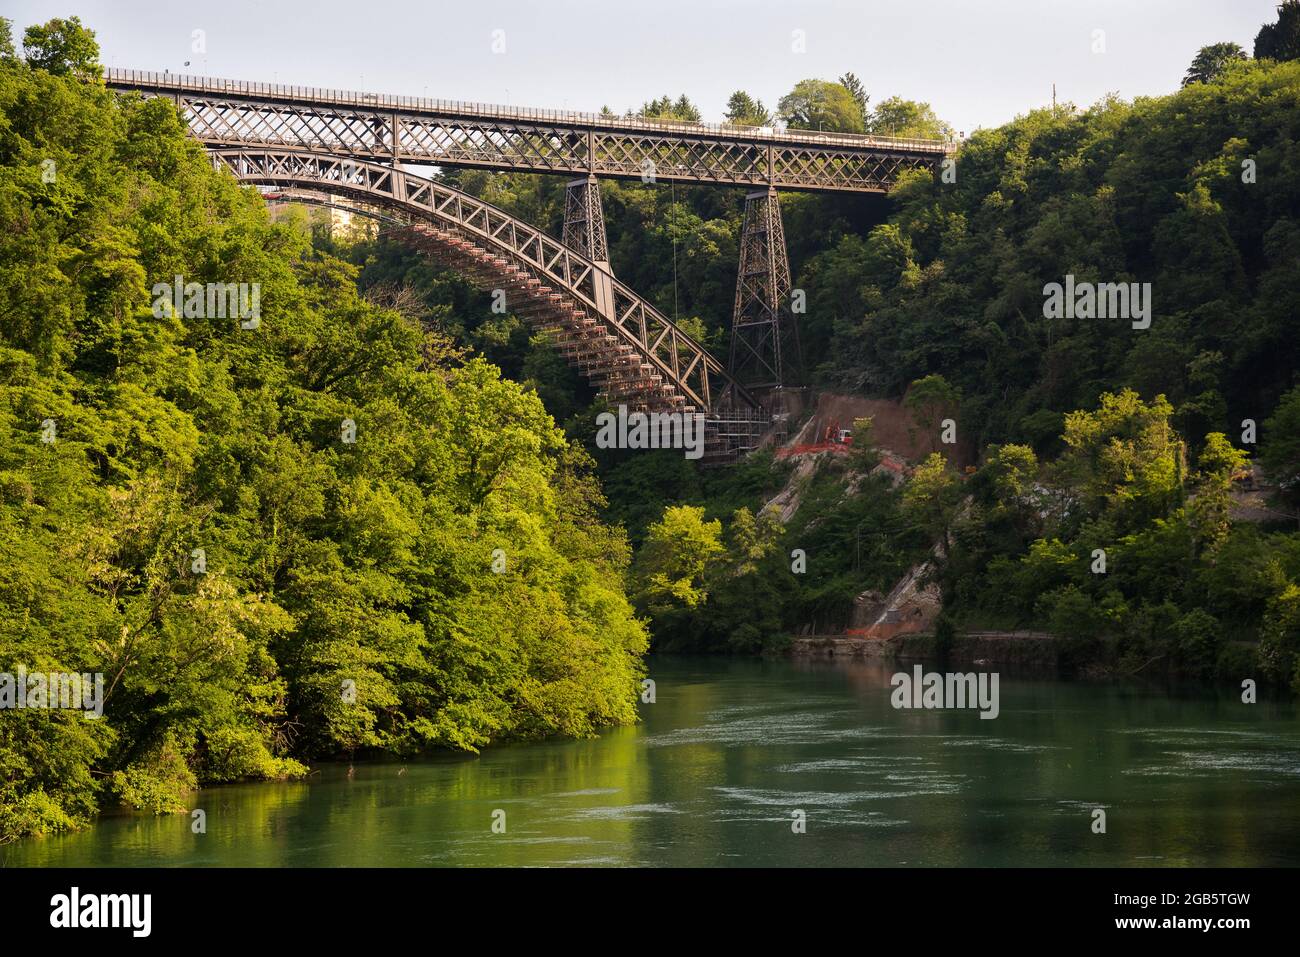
(1090, 434)
(376, 521)
(1193, 193)
(181, 509)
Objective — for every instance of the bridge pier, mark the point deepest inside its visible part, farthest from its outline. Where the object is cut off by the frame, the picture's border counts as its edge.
(765, 356)
(584, 230)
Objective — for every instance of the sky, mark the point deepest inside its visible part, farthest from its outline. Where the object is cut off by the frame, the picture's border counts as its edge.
(979, 63)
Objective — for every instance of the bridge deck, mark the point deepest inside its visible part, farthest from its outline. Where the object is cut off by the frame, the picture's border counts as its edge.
(418, 130)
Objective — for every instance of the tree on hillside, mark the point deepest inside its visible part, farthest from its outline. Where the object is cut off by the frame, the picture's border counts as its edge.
(1210, 62)
(751, 539)
(1011, 471)
(62, 47)
(666, 108)
(1281, 40)
(1280, 638)
(931, 499)
(899, 117)
(7, 51)
(1279, 452)
(1125, 456)
(679, 550)
(864, 456)
(929, 399)
(1219, 465)
(851, 83)
(744, 110)
(821, 105)
(745, 588)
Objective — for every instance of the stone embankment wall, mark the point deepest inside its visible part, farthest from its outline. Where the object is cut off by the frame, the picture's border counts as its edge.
(983, 647)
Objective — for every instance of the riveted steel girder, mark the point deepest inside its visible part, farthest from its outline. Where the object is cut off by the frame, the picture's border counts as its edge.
(397, 129)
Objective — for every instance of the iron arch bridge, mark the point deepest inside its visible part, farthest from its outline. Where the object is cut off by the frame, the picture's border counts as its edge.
(631, 352)
(354, 145)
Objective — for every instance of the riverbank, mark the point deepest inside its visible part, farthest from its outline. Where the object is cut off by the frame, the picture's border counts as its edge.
(1033, 651)
(1020, 648)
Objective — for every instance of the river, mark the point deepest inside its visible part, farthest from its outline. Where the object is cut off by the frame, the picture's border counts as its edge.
(731, 749)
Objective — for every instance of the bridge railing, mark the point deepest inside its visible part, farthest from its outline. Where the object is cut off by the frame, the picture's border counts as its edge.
(149, 79)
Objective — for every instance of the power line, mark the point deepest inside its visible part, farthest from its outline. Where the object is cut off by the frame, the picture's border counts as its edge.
(673, 187)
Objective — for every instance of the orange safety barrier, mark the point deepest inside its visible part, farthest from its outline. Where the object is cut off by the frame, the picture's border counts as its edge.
(813, 447)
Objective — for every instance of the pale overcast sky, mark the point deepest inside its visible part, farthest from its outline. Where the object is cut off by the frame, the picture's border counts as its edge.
(978, 62)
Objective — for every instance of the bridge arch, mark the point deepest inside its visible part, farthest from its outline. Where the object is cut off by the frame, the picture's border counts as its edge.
(632, 353)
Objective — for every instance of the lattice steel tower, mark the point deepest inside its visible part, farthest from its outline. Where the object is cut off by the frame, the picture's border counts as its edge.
(764, 337)
(584, 221)
(584, 230)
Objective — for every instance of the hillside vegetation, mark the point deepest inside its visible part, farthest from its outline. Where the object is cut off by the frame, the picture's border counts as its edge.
(182, 509)
(1090, 434)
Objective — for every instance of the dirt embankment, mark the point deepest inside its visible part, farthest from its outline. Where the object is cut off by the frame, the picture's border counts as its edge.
(894, 429)
(913, 604)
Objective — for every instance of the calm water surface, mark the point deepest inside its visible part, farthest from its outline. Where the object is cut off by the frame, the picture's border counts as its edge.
(731, 748)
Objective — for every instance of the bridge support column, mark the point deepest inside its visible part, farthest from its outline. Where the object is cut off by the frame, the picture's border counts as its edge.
(395, 139)
(584, 230)
(764, 338)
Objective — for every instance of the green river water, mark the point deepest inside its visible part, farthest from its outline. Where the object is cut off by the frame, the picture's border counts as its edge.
(732, 748)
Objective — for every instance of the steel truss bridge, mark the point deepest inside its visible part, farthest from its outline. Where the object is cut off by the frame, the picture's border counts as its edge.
(353, 145)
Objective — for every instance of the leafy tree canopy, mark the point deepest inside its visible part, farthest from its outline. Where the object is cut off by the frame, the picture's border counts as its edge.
(907, 118)
(821, 105)
(1280, 40)
(1211, 61)
(62, 47)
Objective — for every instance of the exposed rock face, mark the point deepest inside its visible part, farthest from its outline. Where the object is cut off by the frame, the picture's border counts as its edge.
(867, 609)
(1253, 499)
(912, 606)
(786, 502)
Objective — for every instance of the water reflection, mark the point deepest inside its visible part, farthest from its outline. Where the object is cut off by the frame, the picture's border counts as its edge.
(732, 748)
